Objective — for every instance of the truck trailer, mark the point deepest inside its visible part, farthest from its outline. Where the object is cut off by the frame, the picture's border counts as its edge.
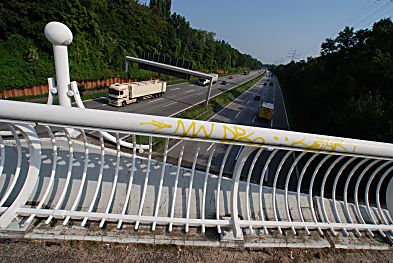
(126, 93)
(204, 82)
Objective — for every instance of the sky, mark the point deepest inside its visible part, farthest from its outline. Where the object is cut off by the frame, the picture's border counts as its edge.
(275, 31)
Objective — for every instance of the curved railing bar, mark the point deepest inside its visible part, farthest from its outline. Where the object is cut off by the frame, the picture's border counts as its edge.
(334, 192)
(99, 180)
(334, 233)
(224, 160)
(378, 198)
(310, 190)
(69, 172)
(366, 196)
(18, 166)
(197, 148)
(346, 207)
(34, 145)
(299, 186)
(359, 213)
(263, 175)
(274, 186)
(130, 181)
(180, 158)
(248, 213)
(115, 178)
(288, 177)
(161, 182)
(243, 156)
(145, 182)
(84, 173)
(52, 174)
(212, 148)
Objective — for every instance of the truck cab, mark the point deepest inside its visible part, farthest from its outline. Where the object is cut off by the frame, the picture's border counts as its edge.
(118, 95)
(126, 93)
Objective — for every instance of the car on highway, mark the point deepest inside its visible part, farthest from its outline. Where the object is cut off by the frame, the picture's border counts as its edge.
(230, 77)
(264, 84)
(271, 83)
(223, 82)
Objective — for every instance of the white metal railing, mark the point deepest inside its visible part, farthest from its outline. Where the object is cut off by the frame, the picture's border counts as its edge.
(280, 180)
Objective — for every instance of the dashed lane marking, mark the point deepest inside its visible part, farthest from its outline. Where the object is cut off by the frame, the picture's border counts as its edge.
(169, 104)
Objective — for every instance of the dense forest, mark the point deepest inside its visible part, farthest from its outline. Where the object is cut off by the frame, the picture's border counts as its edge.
(347, 90)
(105, 31)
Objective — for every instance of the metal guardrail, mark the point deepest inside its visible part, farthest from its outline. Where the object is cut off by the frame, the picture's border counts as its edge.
(280, 180)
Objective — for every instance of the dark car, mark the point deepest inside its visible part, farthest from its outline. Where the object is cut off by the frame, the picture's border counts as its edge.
(264, 84)
(223, 82)
(271, 83)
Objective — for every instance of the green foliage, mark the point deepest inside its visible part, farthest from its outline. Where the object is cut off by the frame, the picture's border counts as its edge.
(347, 91)
(104, 33)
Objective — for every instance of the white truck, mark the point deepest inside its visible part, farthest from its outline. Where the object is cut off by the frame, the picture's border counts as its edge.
(126, 93)
(204, 82)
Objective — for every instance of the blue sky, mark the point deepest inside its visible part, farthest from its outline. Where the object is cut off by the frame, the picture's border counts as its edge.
(271, 30)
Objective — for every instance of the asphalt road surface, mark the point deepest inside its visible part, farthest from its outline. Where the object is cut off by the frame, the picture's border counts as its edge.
(177, 97)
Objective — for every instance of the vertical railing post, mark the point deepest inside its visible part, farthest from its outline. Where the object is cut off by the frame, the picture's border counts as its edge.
(245, 153)
(60, 36)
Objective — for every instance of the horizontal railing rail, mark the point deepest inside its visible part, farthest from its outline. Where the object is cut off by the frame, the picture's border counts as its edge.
(203, 130)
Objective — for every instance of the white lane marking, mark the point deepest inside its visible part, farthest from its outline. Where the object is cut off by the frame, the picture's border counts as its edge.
(254, 119)
(188, 91)
(155, 100)
(174, 146)
(169, 104)
(175, 89)
(237, 114)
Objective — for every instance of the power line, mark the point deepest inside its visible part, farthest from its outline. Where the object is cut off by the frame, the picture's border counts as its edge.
(362, 12)
(293, 55)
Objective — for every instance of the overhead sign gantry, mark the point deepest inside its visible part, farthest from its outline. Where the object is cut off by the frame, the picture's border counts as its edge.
(168, 69)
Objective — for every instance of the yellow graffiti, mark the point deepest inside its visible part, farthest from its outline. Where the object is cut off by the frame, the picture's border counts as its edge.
(195, 131)
(322, 144)
(157, 124)
(240, 134)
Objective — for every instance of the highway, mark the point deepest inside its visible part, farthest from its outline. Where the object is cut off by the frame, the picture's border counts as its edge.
(242, 111)
(177, 98)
